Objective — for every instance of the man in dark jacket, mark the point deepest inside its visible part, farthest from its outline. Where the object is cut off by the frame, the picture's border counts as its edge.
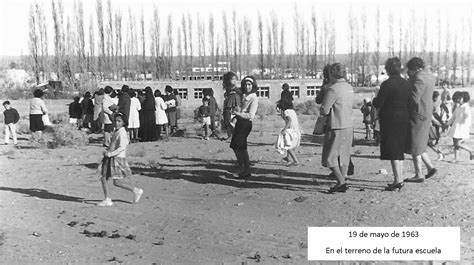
(75, 112)
(124, 102)
(11, 118)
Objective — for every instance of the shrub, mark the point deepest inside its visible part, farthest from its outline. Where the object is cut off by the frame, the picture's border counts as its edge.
(59, 118)
(67, 135)
(308, 107)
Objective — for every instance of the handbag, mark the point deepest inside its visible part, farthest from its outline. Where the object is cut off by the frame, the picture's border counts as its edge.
(320, 126)
(46, 121)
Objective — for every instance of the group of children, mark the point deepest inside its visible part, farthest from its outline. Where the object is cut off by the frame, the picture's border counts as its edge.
(454, 115)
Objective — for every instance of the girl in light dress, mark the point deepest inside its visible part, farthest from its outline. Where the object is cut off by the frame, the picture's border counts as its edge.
(134, 119)
(460, 124)
(114, 163)
(161, 119)
(290, 136)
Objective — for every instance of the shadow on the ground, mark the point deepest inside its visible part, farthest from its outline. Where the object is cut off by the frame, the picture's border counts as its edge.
(219, 172)
(43, 194)
(366, 156)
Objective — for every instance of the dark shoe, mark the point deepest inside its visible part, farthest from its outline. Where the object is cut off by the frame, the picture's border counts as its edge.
(392, 187)
(415, 180)
(339, 188)
(285, 159)
(431, 173)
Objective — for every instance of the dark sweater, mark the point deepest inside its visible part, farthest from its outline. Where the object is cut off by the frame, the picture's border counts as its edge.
(11, 116)
(75, 110)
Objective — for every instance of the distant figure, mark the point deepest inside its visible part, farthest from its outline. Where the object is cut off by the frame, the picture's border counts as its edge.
(209, 94)
(75, 112)
(11, 118)
(290, 136)
(98, 112)
(87, 111)
(161, 120)
(422, 87)
(124, 102)
(147, 125)
(107, 107)
(171, 109)
(114, 163)
(134, 118)
(205, 116)
(37, 110)
(286, 94)
(461, 124)
(232, 102)
(367, 117)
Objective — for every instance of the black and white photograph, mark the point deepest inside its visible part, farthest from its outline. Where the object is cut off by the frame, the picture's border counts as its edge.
(236, 132)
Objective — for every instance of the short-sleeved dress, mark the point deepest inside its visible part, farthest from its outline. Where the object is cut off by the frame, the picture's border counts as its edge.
(291, 139)
(116, 166)
(461, 122)
(134, 119)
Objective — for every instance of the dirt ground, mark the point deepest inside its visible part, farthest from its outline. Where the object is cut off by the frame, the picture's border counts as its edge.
(194, 212)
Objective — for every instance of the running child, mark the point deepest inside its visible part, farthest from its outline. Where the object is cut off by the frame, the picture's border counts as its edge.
(460, 124)
(114, 163)
(290, 136)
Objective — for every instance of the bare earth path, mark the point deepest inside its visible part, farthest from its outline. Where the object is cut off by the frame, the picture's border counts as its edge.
(194, 212)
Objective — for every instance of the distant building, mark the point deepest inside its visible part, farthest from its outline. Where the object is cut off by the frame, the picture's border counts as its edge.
(210, 73)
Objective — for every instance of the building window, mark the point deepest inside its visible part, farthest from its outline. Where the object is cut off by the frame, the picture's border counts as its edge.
(295, 91)
(312, 91)
(263, 92)
(182, 92)
(198, 93)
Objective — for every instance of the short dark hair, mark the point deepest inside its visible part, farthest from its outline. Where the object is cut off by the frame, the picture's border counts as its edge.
(38, 93)
(393, 66)
(337, 70)
(254, 84)
(132, 93)
(465, 95)
(284, 104)
(76, 99)
(122, 116)
(108, 90)
(415, 63)
(457, 95)
(100, 92)
(208, 92)
(125, 88)
(6, 103)
(227, 77)
(326, 74)
(87, 94)
(285, 86)
(157, 93)
(168, 89)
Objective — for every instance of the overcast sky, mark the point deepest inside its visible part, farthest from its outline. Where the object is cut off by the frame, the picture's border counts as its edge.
(14, 16)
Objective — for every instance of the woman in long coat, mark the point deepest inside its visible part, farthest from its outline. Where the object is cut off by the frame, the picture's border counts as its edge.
(393, 102)
(148, 127)
(422, 86)
(337, 105)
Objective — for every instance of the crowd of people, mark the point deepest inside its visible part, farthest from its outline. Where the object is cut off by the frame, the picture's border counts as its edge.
(410, 114)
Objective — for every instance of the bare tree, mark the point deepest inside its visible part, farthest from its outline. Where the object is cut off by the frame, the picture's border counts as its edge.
(170, 45)
(100, 25)
(391, 39)
(212, 43)
(248, 40)
(34, 43)
(200, 40)
(234, 27)
(143, 42)
(455, 57)
(297, 30)
(58, 40)
(282, 46)
(469, 55)
(190, 30)
(276, 41)
(41, 28)
(352, 36)
(448, 44)
(225, 27)
(376, 55)
(110, 39)
(118, 44)
(91, 56)
(260, 44)
(81, 42)
(269, 49)
(424, 42)
(184, 27)
(180, 50)
(314, 23)
(400, 37)
(365, 44)
(155, 36)
(438, 76)
(412, 34)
